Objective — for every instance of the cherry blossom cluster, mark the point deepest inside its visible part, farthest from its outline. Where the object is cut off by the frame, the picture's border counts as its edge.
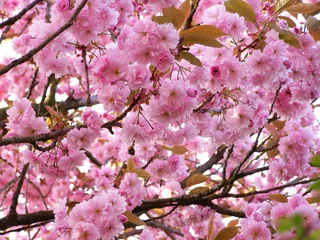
(188, 128)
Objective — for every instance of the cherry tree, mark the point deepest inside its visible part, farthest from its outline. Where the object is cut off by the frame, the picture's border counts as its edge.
(160, 119)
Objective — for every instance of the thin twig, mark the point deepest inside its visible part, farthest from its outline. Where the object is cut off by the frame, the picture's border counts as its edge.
(16, 194)
(33, 83)
(92, 158)
(15, 18)
(37, 49)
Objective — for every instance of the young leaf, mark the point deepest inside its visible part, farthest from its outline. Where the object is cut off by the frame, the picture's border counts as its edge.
(273, 152)
(312, 200)
(202, 40)
(233, 223)
(202, 31)
(304, 8)
(313, 26)
(227, 233)
(134, 218)
(242, 8)
(278, 198)
(196, 179)
(210, 227)
(185, 7)
(198, 190)
(177, 149)
(170, 15)
(131, 164)
(289, 21)
(52, 112)
(289, 38)
(141, 173)
(204, 34)
(190, 58)
(281, 5)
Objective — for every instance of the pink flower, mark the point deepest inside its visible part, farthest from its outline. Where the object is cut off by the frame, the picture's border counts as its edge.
(62, 5)
(215, 71)
(92, 119)
(256, 230)
(167, 36)
(164, 60)
(138, 76)
(146, 234)
(82, 138)
(20, 110)
(132, 189)
(85, 231)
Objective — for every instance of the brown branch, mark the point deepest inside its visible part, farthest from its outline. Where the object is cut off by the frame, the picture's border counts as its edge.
(15, 18)
(111, 123)
(275, 98)
(290, 184)
(162, 216)
(25, 219)
(62, 106)
(226, 211)
(185, 201)
(33, 83)
(37, 49)
(44, 94)
(18, 190)
(189, 19)
(36, 138)
(7, 29)
(92, 158)
(214, 159)
(26, 227)
(165, 228)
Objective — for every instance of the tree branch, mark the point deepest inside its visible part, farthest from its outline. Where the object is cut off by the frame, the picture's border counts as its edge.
(15, 18)
(18, 190)
(37, 49)
(214, 159)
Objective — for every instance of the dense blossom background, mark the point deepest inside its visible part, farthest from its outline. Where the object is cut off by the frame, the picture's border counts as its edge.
(160, 119)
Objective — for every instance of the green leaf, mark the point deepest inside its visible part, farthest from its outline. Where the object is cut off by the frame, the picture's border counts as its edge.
(315, 185)
(227, 233)
(134, 218)
(281, 5)
(315, 235)
(170, 15)
(315, 161)
(196, 179)
(190, 58)
(242, 8)
(295, 221)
